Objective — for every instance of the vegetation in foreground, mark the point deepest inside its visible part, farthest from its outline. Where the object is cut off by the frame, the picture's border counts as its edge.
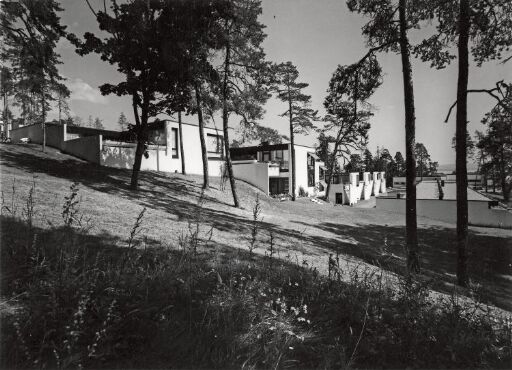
(71, 299)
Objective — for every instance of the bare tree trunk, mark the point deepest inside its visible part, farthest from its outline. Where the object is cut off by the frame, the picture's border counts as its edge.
(204, 153)
(43, 111)
(182, 151)
(413, 258)
(331, 170)
(225, 119)
(141, 123)
(460, 145)
(292, 148)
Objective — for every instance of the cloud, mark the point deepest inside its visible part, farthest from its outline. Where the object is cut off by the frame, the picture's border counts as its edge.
(81, 90)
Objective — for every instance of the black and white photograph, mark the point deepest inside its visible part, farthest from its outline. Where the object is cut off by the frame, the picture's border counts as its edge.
(256, 184)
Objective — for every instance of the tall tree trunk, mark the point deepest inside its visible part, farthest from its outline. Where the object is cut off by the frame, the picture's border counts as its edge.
(413, 258)
(505, 190)
(140, 123)
(225, 119)
(331, 170)
(460, 146)
(182, 151)
(292, 145)
(43, 111)
(204, 153)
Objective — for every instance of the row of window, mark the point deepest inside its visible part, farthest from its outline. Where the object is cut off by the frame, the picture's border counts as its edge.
(214, 143)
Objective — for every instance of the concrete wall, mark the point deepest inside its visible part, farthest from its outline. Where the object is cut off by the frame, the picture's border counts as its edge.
(88, 148)
(160, 158)
(34, 132)
(479, 213)
(301, 169)
(253, 172)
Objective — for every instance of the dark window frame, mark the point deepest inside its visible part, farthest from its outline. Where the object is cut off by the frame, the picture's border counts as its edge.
(174, 149)
(220, 145)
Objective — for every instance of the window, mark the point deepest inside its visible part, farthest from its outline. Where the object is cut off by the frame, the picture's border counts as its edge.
(321, 173)
(266, 156)
(311, 171)
(174, 142)
(214, 144)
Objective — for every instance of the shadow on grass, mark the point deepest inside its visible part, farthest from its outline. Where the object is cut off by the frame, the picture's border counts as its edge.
(489, 257)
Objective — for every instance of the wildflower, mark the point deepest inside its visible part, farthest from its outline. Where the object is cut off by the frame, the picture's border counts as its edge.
(290, 348)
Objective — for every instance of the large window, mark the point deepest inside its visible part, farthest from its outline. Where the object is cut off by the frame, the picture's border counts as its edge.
(174, 142)
(214, 144)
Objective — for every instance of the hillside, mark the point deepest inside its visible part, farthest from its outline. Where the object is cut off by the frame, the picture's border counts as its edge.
(97, 276)
(301, 230)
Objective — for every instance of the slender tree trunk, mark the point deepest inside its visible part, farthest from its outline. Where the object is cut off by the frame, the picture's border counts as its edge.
(182, 151)
(460, 146)
(204, 153)
(505, 191)
(331, 170)
(292, 145)
(225, 119)
(141, 123)
(43, 111)
(413, 258)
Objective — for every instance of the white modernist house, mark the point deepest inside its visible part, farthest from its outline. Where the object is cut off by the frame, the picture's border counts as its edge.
(114, 149)
(353, 187)
(268, 167)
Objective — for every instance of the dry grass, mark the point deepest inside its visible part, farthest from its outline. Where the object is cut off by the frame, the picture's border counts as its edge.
(301, 230)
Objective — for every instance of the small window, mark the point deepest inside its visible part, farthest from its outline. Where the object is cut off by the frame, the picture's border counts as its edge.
(174, 142)
(214, 144)
(266, 156)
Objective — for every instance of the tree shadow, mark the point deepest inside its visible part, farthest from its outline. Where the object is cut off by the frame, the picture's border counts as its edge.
(489, 257)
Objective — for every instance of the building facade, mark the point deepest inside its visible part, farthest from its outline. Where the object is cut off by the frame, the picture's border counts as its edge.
(268, 167)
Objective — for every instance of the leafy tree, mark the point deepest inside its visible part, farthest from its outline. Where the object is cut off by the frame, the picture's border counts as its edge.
(90, 121)
(123, 123)
(355, 164)
(158, 46)
(346, 103)
(300, 115)
(400, 164)
(241, 91)
(6, 91)
(260, 134)
(30, 32)
(387, 31)
(497, 143)
(422, 160)
(368, 160)
(486, 26)
(62, 96)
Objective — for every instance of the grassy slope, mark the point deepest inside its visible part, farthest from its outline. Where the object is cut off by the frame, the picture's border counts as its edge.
(303, 231)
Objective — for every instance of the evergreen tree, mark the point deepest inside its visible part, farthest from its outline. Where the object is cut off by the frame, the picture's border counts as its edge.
(241, 89)
(400, 164)
(123, 122)
(30, 32)
(300, 115)
(368, 160)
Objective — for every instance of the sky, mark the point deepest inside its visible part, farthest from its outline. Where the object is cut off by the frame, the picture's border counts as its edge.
(316, 36)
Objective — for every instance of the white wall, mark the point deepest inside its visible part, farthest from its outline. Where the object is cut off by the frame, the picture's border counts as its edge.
(479, 213)
(160, 158)
(252, 172)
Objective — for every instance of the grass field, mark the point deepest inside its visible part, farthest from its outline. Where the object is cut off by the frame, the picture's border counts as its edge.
(302, 230)
(86, 283)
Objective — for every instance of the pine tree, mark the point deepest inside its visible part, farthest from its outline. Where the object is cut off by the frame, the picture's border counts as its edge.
(300, 115)
(123, 122)
(241, 89)
(30, 32)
